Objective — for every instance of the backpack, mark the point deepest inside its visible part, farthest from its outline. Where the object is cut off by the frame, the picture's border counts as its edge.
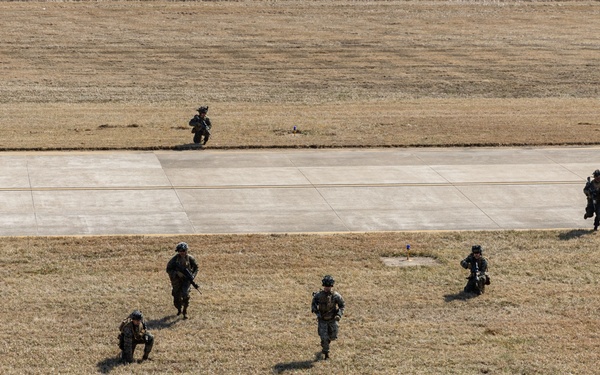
(121, 326)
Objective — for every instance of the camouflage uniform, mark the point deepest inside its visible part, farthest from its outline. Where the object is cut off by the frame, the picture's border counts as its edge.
(329, 308)
(181, 286)
(477, 267)
(133, 335)
(201, 126)
(592, 192)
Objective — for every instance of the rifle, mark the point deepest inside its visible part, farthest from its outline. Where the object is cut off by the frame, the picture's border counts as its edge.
(478, 277)
(199, 125)
(316, 310)
(188, 275)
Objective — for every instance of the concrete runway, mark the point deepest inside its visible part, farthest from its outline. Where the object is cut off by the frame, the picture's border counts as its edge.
(275, 191)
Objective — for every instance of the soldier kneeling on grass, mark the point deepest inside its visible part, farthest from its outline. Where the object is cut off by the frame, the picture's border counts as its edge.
(201, 126)
(478, 265)
(133, 332)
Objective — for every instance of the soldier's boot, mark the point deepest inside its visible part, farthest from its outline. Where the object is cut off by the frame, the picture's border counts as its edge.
(145, 357)
(177, 304)
(325, 355)
(186, 302)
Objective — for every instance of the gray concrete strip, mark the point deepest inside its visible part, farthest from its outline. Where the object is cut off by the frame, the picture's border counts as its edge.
(13, 172)
(96, 170)
(227, 176)
(374, 174)
(277, 191)
(16, 202)
(115, 223)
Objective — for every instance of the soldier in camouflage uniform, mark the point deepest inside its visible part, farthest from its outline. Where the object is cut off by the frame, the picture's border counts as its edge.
(133, 332)
(329, 308)
(478, 265)
(592, 192)
(201, 125)
(181, 286)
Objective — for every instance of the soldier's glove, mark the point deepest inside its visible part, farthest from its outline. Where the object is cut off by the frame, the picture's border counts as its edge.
(337, 318)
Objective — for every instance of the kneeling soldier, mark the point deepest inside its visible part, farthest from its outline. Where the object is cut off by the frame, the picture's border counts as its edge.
(478, 265)
(133, 332)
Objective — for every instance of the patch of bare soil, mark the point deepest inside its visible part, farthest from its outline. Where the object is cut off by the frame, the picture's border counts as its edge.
(409, 262)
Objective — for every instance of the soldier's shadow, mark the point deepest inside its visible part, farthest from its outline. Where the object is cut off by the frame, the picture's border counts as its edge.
(162, 323)
(107, 365)
(298, 365)
(188, 146)
(575, 233)
(460, 296)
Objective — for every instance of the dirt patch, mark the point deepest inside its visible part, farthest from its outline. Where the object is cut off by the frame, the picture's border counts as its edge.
(409, 262)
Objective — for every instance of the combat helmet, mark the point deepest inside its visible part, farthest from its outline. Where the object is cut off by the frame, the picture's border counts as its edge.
(203, 109)
(596, 173)
(182, 246)
(476, 249)
(328, 280)
(136, 315)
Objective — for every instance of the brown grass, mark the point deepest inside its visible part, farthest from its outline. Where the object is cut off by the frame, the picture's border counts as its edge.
(129, 75)
(64, 297)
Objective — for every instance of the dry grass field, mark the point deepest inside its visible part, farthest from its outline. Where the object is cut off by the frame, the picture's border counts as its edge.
(117, 75)
(63, 299)
(130, 74)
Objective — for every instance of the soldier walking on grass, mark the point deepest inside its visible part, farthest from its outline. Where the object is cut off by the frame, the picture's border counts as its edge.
(329, 308)
(182, 270)
(134, 332)
(478, 265)
(592, 192)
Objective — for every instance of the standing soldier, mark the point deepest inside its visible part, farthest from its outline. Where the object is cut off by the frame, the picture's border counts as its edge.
(182, 270)
(592, 190)
(329, 308)
(201, 125)
(478, 265)
(133, 332)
